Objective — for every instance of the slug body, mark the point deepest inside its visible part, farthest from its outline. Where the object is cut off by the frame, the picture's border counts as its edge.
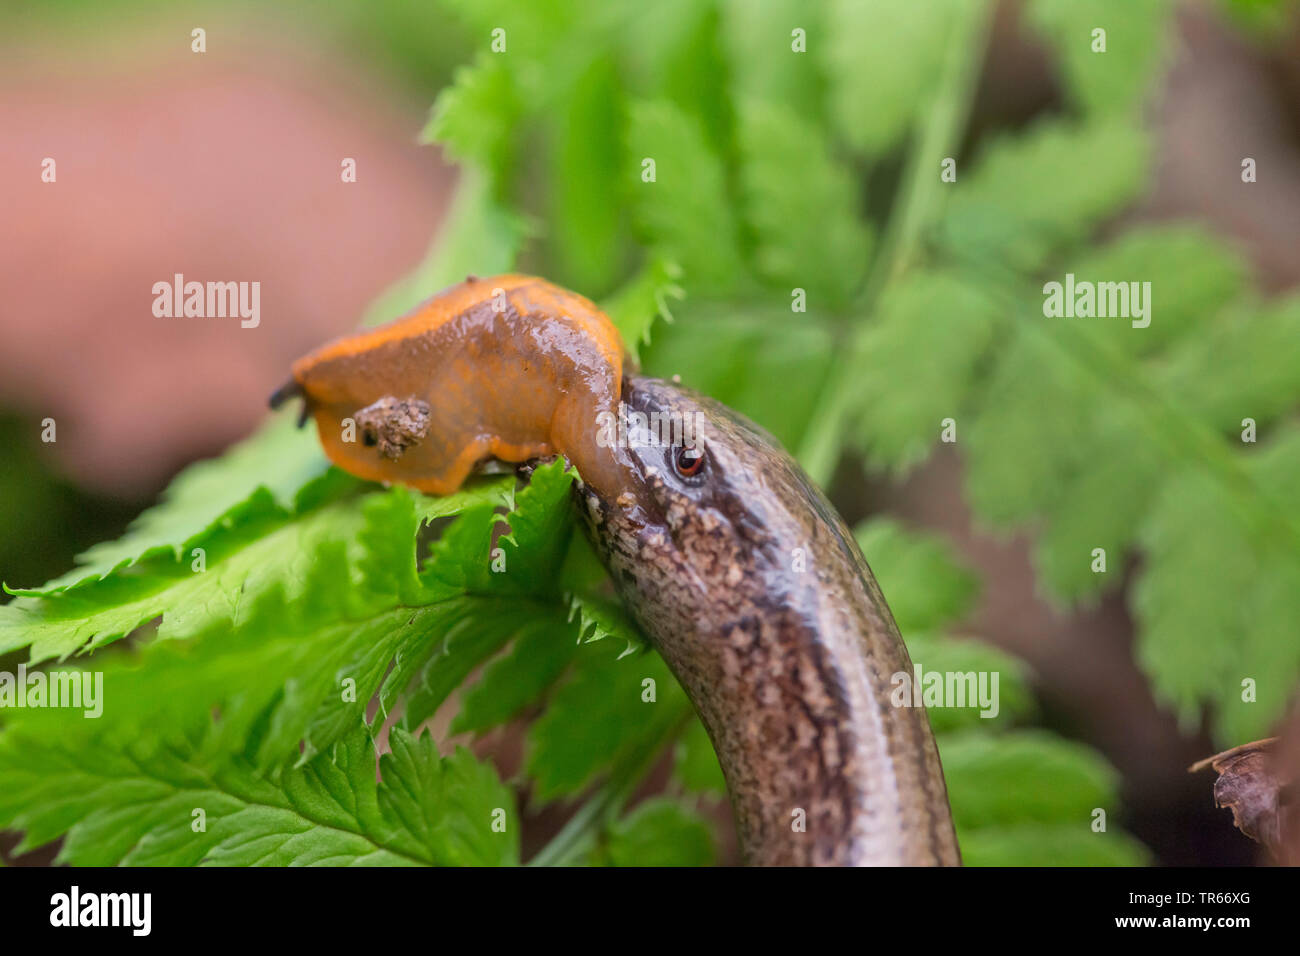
(510, 367)
(737, 568)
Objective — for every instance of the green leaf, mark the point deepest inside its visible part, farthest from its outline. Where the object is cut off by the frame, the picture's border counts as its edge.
(260, 556)
(539, 527)
(1276, 466)
(1135, 47)
(281, 461)
(643, 299)
(474, 118)
(454, 809)
(1059, 844)
(1217, 607)
(599, 715)
(989, 777)
(759, 41)
(587, 165)
(142, 807)
(527, 597)
(1220, 551)
(1043, 466)
(752, 352)
(1011, 696)
(911, 381)
(811, 238)
(683, 214)
(924, 582)
(674, 53)
(882, 59)
(291, 678)
(657, 833)
(534, 25)
(600, 618)
(1193, 277)
(441, 666)
(538, 44)
(516, 679)
(1043, 189)
(1018, 461)
(696, 767)
(1099, 507)
(1246, 365)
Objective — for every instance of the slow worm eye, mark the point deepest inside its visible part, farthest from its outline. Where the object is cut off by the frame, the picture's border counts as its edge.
(688, 461)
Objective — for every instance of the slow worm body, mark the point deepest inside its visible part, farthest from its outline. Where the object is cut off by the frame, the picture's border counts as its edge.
(751, 587)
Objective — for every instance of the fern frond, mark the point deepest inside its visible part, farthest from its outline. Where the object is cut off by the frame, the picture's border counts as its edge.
(163, 805)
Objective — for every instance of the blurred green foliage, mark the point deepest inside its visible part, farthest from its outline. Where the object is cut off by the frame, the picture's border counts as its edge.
(768, 127)
(934, 310)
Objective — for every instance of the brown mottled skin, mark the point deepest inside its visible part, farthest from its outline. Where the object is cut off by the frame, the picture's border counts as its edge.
(790, 670)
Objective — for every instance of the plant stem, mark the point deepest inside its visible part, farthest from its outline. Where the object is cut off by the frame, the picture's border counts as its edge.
(937, 135)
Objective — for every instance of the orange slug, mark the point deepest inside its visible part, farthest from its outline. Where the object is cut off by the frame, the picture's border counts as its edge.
(510, 367)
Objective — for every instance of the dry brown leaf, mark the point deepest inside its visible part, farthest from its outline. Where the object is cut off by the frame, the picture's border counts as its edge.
(1254, 785)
